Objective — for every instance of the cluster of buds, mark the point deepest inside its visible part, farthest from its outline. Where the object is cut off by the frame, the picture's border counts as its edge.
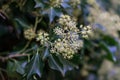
(74, 40)
(56, 3)
(43, 37)
(69, 41)
(59, 31)
(68, 23)
(62, 46)
(74, 3)
(29, 34)
(86, 31)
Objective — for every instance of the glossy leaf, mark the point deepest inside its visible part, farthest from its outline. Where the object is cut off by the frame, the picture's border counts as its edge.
(21, 23)
(3, 30)
(35, 66)
(110, 40)
(52, 13)
(16, 67)
(110, 55)
(67, 65)
(55, 64)
(45, 53)
(60, 64)
(21, 67)
(65, 5)
(38, 4)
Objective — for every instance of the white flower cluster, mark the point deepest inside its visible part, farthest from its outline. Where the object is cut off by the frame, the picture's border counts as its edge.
(110, 21)
(59, 31)
(62, 46)
(43, 37)
(86, 31)
(69, 42)
(56, 3)
(69, 39)
(68, 23)
(29, 34)
(109, 71)
(74, 3)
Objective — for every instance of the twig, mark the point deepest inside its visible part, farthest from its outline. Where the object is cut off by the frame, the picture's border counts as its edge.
(17, 54)
(13, 56)
(37, 20)
(28, 43)
(23, 50)
(2, 76)
(2, 16)
(3, 70)
(23, 3)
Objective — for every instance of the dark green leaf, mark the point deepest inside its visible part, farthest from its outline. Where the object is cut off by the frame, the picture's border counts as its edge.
(29, 6)
(20, 67)
(55, 64)
(65, 5)
(21, 22)
(67, 65)
(51, 12)
(110, 55)
(16, 67)
(46, 53)
(69, 11)
(3, 30)
(38, 3)
(35, 66)
(60, 64)
(110, 40)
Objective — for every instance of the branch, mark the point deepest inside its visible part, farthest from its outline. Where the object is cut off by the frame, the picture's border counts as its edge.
(12, 56)
(2, 76)
(37, 20)
(17, 54)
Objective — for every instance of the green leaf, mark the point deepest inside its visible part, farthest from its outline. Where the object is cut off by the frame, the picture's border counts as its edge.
(60, 64)
(21, 22)
(3, 30)
(15, 67)
(35, 66)
(38, 4)
(52, 12)
(55, 64)
(29, 6)
(46, 53)
(65, 5)
(110, 55)
(67, 65)
(20, 67)
(69, 11)
(110, 40)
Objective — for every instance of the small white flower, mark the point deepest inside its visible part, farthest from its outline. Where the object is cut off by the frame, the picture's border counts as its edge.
(59, 31)
(29, 34)
(86, 31)
(43, 37)
(74, 3)
(56, 3)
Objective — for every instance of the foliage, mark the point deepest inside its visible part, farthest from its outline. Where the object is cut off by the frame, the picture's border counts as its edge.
(29, 30)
